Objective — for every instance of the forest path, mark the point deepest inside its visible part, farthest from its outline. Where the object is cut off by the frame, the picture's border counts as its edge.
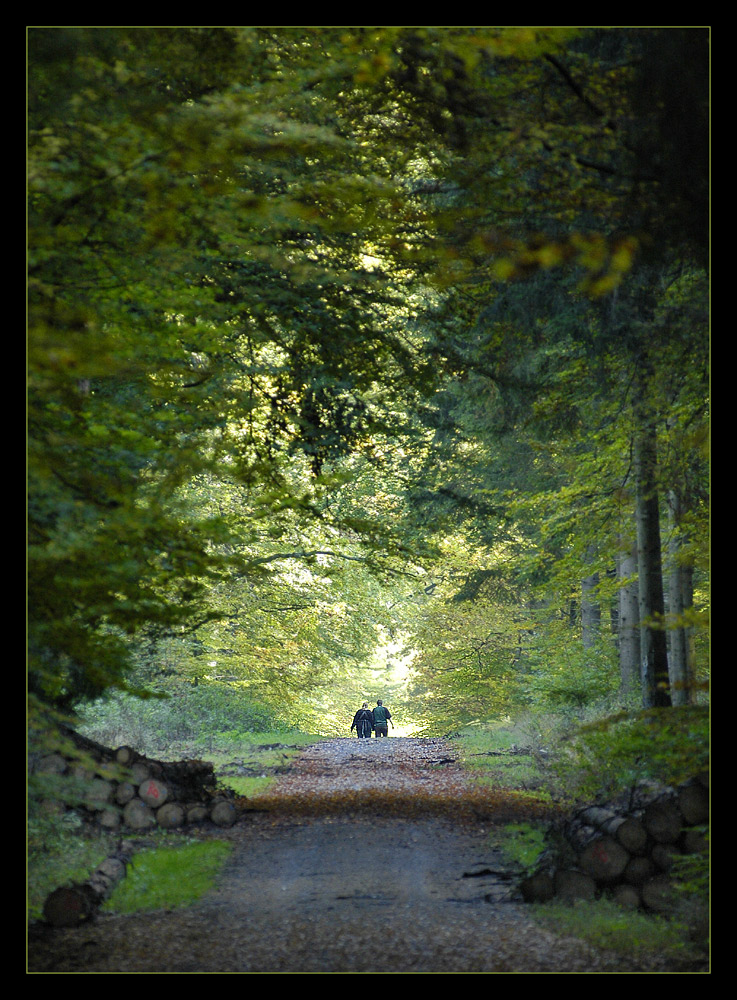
(365, 858)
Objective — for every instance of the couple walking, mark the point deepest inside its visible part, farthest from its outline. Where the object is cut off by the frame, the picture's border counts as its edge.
(365, 720)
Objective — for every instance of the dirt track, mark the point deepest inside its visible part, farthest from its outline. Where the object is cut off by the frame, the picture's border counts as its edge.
(349, 869)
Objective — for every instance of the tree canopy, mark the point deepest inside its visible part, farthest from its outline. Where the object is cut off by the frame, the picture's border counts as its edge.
(349, 332)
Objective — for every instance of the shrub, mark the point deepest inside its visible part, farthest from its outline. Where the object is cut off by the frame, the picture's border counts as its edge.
(185, 714)
(605, 757)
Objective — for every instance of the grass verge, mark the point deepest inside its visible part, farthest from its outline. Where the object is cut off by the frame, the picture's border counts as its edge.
(253, 761)
(605, 925)
(169, 877)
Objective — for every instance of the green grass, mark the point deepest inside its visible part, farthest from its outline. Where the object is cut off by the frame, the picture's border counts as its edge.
(520, 843)
(482, 752)
(258, 754)
(626, 932)
(169, 877)
(247, 786)
(58, 854)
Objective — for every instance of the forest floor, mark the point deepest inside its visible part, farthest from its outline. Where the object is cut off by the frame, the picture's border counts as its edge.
(367, 856)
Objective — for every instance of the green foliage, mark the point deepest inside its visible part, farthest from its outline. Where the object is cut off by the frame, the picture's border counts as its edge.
(333, 334)
(521, 844)
(561, 674)
(529, 487)
(195, 718)
(169, 877)
(323, 323)
(58, 853)
(609, 755)
(198, 309)
(692, 876)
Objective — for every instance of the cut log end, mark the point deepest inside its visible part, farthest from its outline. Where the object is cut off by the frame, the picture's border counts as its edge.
(538, 888)
(604, 859)
(72, 905)
(68, 906)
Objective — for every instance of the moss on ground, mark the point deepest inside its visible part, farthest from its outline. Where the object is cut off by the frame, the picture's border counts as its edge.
(169, 877)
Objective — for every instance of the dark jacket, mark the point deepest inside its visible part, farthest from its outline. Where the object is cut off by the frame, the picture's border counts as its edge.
(363, 722)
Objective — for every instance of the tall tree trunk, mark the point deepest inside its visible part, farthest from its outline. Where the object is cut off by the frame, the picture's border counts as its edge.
(653, 642)
(590, 610)
(680, 599)
(628, 632)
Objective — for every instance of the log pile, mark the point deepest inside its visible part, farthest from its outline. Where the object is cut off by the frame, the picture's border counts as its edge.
(138, 793)
(625, 849)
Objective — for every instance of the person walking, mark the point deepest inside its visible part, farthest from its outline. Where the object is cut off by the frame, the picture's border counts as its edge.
(382, 717)
(363, 722)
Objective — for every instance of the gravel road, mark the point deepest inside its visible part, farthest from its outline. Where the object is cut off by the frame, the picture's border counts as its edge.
(339, 872)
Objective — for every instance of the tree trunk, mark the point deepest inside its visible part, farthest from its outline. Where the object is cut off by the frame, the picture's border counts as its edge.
(626, 896)
(663, 821)
(680, 600)
(598, 855)
(693, 802)
(587, 853)
(571, 884)
(627, 830)
(628, 630)
(663, 856)
(590, 608)
(604, 859)
(153, 793)
(658, 894)
(638, 870)
(590, 611)
(538, 888)
(172, 814)
(653, 643)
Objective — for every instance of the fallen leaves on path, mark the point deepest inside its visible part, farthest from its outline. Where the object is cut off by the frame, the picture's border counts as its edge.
(391, 776)
(316, 886)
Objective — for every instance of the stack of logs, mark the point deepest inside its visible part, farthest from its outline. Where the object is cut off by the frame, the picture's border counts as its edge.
(625, 850)
(144, 793)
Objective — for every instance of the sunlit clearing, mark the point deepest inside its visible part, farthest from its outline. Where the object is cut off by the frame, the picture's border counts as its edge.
(403, 731)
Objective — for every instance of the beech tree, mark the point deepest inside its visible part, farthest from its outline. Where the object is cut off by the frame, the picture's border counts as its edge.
(593, 192)
(202, 303)
(257, 256)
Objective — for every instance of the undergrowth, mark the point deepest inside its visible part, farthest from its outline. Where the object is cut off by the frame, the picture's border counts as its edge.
(587, 757)
(184, 721)
(604, 924)
(521, 843)
(498, 755)
(59, 851)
